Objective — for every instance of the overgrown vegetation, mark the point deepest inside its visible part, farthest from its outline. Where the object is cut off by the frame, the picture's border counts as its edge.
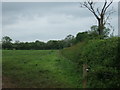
(102, 57)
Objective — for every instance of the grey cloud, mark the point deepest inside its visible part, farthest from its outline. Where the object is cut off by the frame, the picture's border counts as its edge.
(12, 11)
(44, 21)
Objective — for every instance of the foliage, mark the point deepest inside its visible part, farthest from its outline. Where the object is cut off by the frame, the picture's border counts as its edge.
(6, 39)
(82, 36)
(102, 56)
(69, 41)
(6, 42)
(37, 45)
(94, 33)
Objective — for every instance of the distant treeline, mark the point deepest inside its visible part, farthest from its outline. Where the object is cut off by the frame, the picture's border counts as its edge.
(37, 45)
(53, 44)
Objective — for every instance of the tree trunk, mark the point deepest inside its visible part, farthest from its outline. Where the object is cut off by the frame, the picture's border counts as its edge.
(101, 26)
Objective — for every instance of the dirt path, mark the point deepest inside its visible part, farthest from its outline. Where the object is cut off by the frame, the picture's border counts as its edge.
(6, 83)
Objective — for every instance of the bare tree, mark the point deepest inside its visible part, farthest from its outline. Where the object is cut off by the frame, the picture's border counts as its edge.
(101, 14)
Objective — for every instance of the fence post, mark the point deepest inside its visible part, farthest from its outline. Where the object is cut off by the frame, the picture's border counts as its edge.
(85, 66)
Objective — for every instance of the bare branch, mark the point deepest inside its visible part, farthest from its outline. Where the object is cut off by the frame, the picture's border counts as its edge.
(86, 5)
(108, 16)
(98, 11)
(110, 11)
(108, 6)
(93, 11)
(89, 6)
(104, 7)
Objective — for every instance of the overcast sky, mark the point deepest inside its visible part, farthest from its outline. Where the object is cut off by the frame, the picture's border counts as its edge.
(30, 21)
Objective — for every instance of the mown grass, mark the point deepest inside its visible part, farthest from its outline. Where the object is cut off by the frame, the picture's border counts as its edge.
(39, 69)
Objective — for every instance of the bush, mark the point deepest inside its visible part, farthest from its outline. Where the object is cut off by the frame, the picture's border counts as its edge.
(102, 56)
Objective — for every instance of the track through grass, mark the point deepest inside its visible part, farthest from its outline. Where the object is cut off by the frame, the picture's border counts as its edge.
(39, 69)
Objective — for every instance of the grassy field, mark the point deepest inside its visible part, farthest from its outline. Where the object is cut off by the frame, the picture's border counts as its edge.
(39, 69)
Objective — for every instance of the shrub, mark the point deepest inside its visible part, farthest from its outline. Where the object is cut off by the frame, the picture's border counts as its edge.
(102, 56)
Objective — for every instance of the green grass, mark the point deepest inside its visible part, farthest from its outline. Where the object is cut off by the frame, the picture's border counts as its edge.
(49, 69)
(39, 69)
